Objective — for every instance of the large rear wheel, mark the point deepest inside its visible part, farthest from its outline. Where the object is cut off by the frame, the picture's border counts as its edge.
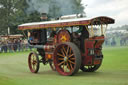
(33, 62)
(67, 58)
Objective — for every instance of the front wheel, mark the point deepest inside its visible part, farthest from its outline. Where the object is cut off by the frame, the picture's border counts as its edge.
(67, 58)
(33, 62)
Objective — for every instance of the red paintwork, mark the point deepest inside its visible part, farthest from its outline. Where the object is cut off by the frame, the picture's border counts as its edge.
(95, 42)
(47, 55)
(62, 33)
(55, 40)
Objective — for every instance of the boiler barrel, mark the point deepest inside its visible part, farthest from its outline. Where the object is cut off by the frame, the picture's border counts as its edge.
(45, 47)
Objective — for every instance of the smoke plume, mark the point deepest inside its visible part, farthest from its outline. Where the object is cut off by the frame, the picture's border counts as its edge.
(55, 8)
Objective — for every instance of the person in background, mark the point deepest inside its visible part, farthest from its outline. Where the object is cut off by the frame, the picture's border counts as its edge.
(15, 45)
(10, 46)
(5, 49)
(19, 44)
(2, 47)
(26, 44)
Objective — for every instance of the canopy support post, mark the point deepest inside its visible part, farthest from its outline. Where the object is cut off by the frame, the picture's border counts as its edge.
(102, 29)
(92, 33)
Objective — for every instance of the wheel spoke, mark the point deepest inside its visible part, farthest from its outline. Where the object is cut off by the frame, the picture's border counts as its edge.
(63, 66)
(68, 66)
(67, 51)
(34, 62)
(60, 55)
(61, 63)
(34, 67)
(31, 60)
(71, 62)
(72, 58)
(60, 58)
(71, 55)
(32, 57)
(35, 58)
(64, 50)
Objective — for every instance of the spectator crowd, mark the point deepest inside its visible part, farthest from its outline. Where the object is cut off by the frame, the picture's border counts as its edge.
(15, 45)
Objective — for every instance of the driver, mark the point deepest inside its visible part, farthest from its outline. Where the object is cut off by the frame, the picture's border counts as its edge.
(84, 35)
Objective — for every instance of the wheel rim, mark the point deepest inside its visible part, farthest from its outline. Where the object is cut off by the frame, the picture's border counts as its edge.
(33, 62)
(65, 60)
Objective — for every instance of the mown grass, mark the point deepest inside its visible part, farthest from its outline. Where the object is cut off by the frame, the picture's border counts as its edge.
(114, 71)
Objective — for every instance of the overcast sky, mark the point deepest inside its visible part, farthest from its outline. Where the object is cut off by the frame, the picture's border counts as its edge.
(117, 9)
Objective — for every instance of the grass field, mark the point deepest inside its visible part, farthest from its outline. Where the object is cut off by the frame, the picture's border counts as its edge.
(114, 71)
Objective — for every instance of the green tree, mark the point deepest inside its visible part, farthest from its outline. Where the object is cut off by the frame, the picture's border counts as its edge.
(10, 12)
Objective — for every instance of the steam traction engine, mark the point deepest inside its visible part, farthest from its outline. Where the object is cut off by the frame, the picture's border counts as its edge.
(67, 45)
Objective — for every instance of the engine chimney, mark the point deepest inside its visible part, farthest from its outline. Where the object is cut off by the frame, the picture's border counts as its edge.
(44, 17)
